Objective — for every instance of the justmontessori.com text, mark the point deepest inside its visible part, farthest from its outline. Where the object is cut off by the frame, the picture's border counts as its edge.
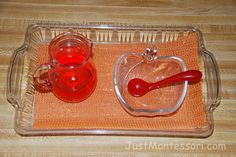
(153, 145)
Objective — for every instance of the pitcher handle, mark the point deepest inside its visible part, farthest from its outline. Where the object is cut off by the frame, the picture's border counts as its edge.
(41, 78)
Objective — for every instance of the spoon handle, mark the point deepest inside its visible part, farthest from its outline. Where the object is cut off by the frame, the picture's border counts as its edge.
(190, 76)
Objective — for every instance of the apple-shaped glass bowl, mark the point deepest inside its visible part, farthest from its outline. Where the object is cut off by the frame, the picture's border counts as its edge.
(151, 68)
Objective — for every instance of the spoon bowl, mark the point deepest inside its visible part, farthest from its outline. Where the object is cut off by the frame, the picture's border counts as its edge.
(163, 101)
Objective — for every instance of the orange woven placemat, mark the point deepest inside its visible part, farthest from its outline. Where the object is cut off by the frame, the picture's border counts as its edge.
(102, 109)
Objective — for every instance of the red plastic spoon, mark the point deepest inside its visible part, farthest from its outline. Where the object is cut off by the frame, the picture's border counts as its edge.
(138, 87)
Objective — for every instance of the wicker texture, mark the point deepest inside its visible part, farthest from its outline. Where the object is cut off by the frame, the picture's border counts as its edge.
(102, 109)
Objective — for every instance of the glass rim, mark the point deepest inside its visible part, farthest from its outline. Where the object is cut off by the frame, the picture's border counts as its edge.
(76, 36)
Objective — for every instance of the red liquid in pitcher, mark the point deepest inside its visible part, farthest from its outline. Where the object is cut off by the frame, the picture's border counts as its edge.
(76, 83)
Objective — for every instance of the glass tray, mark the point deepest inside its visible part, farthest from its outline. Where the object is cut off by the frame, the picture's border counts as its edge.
(21, 95)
